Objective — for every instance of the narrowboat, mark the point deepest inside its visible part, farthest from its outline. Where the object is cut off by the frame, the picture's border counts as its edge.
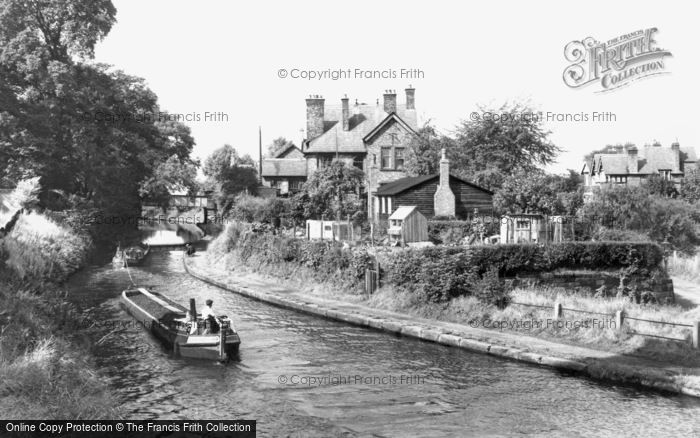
(135, 255)
(174, 326)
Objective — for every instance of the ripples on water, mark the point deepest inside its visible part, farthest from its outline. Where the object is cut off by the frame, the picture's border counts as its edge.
(461, 394)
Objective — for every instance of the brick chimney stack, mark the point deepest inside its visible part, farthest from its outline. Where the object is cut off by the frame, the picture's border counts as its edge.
(410, 98)
(390, 101)
(632, 162)
(676, 148)
(315, 106)
(444, 199)
(345, 103)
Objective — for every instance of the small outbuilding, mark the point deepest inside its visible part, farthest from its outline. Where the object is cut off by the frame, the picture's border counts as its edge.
(523, 228)
(331, 230)
(407, 224)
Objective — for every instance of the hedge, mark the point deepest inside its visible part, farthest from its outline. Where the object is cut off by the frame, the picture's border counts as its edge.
(437, 273)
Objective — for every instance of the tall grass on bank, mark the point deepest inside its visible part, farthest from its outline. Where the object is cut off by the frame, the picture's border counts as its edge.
(685, 267)
(45, 372)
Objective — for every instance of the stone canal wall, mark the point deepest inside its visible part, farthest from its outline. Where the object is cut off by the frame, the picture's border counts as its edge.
(583, 361)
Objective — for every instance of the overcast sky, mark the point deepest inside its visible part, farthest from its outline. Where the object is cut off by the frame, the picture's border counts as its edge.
(224, 56)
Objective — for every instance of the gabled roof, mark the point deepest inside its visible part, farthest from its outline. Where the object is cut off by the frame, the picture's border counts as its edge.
(282, 152)
(283, 167)
(403, 212)
(611, 164)
(363, 120)
(403, 184)
(391, 117)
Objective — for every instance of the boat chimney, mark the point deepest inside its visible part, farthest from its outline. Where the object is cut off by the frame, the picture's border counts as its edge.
(193, 310)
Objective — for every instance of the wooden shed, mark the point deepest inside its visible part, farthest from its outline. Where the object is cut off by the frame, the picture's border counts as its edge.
(407, 224)
(523, 228)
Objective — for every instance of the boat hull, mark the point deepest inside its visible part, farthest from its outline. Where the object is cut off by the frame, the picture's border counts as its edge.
(173, 334)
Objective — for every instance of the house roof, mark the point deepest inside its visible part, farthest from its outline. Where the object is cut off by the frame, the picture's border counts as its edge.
(363, 120)
(650, 160)
(612, 164)
(285, 150)
(403, 212)
(403, 184)
(283, 167)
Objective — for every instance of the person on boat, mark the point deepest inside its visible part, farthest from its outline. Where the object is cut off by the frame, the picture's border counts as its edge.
(189, 249)
(212, 322)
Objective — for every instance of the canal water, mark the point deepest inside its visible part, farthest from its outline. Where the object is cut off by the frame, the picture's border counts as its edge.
(300, 375)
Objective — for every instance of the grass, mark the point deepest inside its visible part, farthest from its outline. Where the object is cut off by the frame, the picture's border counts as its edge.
(687, 268)
(45, 371)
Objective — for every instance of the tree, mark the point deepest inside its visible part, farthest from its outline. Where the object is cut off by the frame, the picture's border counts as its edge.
(423, 153)
(83, 128)
(333, 192)
(172, 175)
(229, 175)
(690, 186)
(539, 192)
(277, 146)
(490, 147)
(656, 185)
(635, 208)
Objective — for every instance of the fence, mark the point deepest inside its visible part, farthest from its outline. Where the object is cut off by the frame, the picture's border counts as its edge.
(620, 318)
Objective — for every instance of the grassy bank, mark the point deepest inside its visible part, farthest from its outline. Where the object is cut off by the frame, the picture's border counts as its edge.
(336, 278)
(45, 366)
(685, 267)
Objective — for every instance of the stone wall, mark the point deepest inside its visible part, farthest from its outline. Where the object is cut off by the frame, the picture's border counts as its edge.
(590, 282)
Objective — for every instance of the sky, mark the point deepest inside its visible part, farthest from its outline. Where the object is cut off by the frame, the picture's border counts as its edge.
(225, 57)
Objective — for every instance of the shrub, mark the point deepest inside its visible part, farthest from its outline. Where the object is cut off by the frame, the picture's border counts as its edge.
(492, 290)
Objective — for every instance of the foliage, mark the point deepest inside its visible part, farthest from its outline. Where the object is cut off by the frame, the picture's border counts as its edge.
(331, 192)
(690, 186)
(423, 153)
(278, 145)
(636, 209)
(249, 208)
(535, 191)
(656, 185)
(229, 175)
(85, 129)
(172, 175)
(492, 147)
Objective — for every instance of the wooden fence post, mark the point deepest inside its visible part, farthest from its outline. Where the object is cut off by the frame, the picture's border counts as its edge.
(696, 335)
(619, 319)
(557, 310)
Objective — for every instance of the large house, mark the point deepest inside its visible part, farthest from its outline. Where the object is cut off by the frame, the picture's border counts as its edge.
(372, 137)
(629, 165)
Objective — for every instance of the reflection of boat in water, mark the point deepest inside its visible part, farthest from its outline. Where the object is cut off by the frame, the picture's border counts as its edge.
(135, 255)
(167, 320)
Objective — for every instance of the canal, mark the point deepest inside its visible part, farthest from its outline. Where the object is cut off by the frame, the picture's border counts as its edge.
(391, 387)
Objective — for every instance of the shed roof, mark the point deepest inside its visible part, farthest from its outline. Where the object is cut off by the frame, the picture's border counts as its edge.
(403, 212)
(403, 184)
(283, 167)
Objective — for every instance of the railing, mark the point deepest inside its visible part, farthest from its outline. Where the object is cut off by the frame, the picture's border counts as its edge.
(620, 319)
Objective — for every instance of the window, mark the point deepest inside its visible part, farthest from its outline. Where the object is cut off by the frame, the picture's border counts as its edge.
(398, 158)
(324, 162)
(358, 162)
(392, 158)
(665, 174)
(386, 158)
(619, 179)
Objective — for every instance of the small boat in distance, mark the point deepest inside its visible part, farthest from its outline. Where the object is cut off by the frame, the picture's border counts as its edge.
(119, 258)
(167, 320)
(135, 255)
